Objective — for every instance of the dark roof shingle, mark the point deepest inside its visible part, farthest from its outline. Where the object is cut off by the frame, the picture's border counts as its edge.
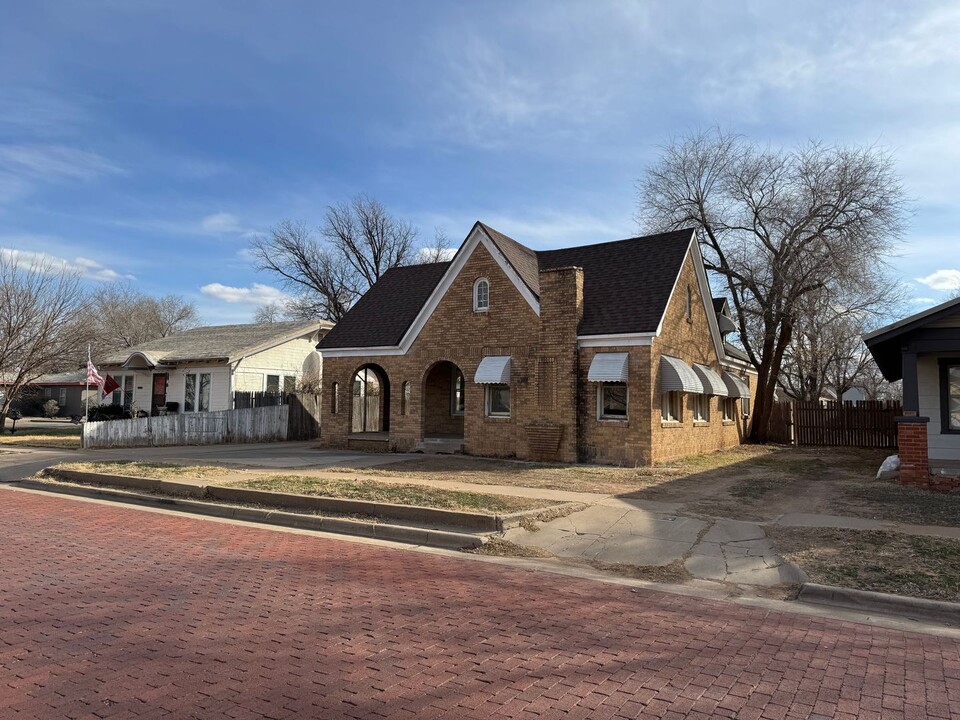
(627, 284)
(383, 314)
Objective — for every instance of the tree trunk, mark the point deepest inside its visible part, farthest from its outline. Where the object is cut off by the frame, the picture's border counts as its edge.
(767, 387)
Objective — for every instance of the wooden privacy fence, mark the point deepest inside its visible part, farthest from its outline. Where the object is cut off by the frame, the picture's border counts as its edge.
(865, 424)
(243, 399)
(299, 420)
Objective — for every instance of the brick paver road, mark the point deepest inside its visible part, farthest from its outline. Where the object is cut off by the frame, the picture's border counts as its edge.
(113, 612)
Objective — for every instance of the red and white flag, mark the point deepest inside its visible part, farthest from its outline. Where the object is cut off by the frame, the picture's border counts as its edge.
(93, 377)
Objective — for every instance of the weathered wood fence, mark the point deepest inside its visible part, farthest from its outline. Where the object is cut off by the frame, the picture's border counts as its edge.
(298, 420)
(865, 424)
(243, 399)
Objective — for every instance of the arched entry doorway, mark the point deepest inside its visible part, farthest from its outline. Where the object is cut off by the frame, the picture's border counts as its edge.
(370, 412)
(444, 400)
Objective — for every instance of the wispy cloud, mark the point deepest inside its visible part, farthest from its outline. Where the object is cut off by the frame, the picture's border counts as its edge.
(54, 162)
(85, 267)
(221, 224)
(946, 280)
(255, 294)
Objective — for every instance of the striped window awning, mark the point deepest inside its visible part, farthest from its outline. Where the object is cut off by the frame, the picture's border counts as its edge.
(712, 383)
(608, 367)
(677, 376)
(493, 370)
(737, 387)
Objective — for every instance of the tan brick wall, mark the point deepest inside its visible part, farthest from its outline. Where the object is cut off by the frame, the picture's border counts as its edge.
(617, 442)
(690, 341)
(459, 335)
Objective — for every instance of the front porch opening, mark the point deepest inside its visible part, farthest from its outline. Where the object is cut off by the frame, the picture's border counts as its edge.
(371, 401)
(444, 401)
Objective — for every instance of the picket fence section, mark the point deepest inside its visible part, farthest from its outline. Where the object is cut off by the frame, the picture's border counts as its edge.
(260, 424)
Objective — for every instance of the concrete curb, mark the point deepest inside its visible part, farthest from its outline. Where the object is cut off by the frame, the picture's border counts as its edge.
(478, 522)
(383, 531)
(868, 601)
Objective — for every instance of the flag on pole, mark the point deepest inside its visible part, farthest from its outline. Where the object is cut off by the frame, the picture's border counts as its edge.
(93, 377)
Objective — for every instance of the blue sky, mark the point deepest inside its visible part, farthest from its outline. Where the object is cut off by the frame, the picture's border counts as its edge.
(149, 140)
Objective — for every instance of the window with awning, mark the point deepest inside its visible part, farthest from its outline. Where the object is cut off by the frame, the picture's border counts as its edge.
(608, 367)
(736, 387)
(677, 376)
(493, 370)
(712, 383)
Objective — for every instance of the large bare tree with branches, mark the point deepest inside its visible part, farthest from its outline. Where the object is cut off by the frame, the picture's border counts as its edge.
(41, 328)
(777, 225)
(355, 245)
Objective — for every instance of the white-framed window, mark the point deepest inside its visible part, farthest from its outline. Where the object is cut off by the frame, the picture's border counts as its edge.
(335, 398)
(612, 401)
(405, 398)
(745, 405)
(729, 406)
(278, 382)
(123, 395)
(701, 408)
(481, 295)
(62, 397)
(196, 392)
(497, 400)
(457, 400)
(671, 407)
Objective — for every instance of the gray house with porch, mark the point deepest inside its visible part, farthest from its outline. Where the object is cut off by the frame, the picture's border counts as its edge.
(924, 351)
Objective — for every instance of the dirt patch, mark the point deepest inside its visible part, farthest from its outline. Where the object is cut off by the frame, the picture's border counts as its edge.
(888, 500)
(504, 548)
(674, 573)
(154, 471)
(398, 493)
(874, 560)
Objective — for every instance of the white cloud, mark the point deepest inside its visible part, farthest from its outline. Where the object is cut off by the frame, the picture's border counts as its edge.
(85, 267)
(945, 280)
(924, 301)
(256, 294)
(220, 224)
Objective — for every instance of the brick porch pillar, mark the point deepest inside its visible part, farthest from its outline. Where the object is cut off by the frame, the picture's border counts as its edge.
(914, 461)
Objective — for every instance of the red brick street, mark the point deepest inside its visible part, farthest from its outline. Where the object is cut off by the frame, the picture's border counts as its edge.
(115, 612)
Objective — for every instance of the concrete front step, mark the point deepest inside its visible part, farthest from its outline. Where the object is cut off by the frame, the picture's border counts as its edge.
(438, 446)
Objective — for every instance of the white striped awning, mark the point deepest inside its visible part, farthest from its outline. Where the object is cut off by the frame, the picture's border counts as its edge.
(677, 376)
(608, 367)
(738, 387)
(493, 370)
(712, 383)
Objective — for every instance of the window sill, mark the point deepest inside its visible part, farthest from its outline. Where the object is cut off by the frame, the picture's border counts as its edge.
(497, 418)
(671, 424)
(480, 312)
(614, 420)
(701, 423)
(729, 422)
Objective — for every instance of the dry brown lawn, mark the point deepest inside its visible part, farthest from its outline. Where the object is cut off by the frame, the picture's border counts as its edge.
(59, 438)
(153, 470)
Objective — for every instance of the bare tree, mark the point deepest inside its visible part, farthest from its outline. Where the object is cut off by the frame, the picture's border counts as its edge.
(358, 242)
(123, 317)
(776, 226)
(272, 312)
(41, 305)
(439, 251)
(827, 350)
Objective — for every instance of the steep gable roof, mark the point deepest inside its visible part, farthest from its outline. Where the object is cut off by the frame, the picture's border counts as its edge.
(627, 285)
(383, 314)
(216, 342)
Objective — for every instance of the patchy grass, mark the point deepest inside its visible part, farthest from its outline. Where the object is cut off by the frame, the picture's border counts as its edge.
(60, 438)
(875, 560)
(399, 493)
(577, 478)
(153, 470)
(504, 548)
(892, 501)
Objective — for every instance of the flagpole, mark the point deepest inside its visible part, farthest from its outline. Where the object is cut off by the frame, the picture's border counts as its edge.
(86, 394)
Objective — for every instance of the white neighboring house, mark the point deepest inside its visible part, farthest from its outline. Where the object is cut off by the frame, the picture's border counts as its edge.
(200, 369)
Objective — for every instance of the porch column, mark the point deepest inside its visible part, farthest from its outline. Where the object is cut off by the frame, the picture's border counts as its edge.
(911, 394)
(912, 439)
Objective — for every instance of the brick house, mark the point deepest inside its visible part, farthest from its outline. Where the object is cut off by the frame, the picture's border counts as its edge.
(610, 353)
